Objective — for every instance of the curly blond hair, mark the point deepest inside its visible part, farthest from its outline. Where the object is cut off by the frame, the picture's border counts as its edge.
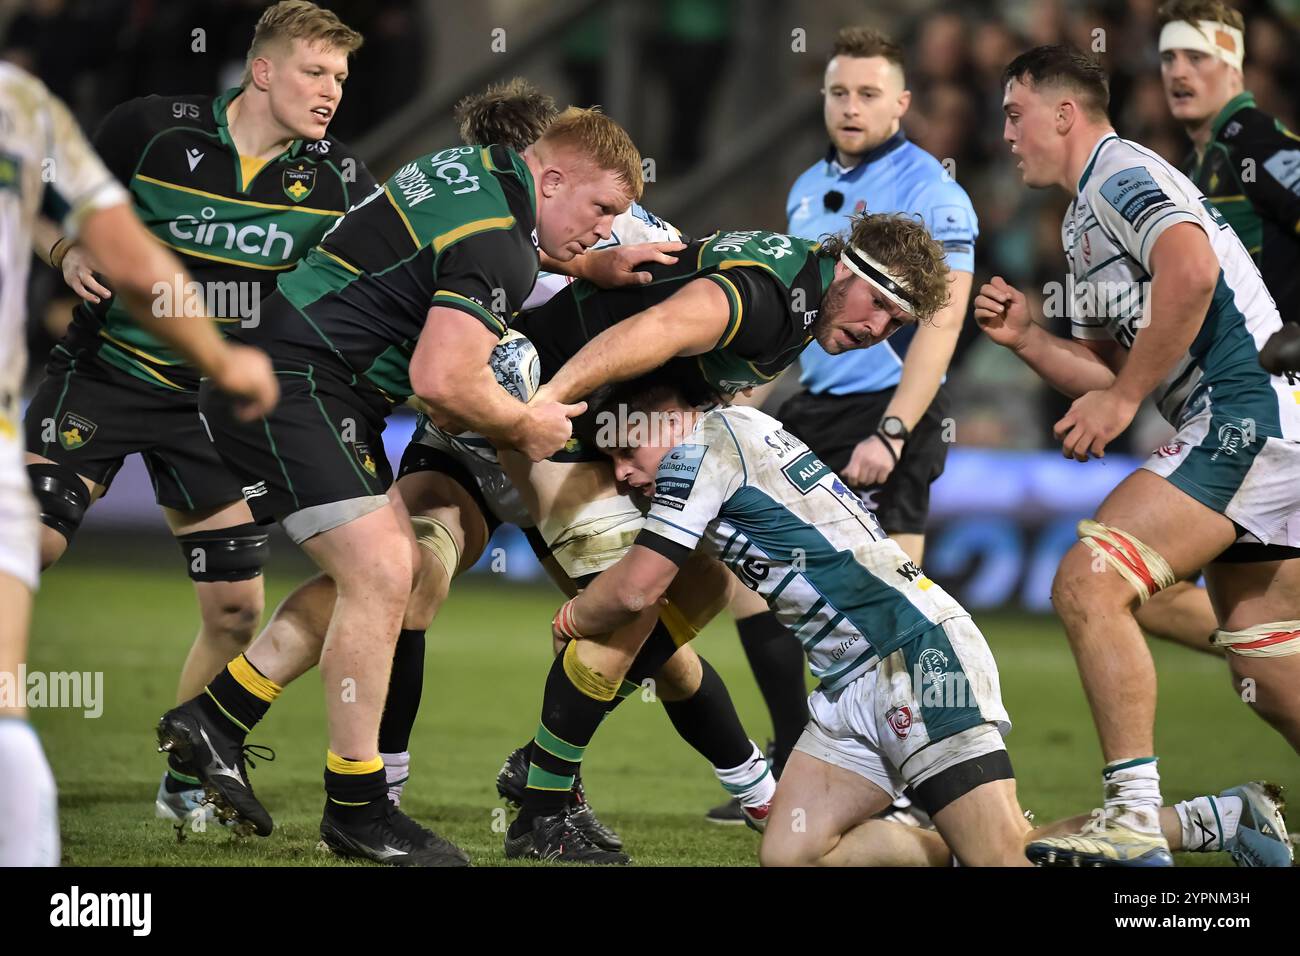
(901, 243)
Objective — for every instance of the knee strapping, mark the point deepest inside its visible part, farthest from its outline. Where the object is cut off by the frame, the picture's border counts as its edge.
(1136, 563)
(62, 496)
(590, 682)
(681, 629)
(1278, 639)
(436, 537)
(227, 554)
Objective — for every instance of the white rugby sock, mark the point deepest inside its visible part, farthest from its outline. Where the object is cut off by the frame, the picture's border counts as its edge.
(29, 805)
(397, 770)
(1208, 822)
(1132, 789)
(752, 782)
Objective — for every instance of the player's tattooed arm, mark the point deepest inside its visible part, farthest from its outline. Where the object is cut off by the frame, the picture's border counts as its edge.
(617, 596)
(689, 322)
(615, 266)
(450, 374)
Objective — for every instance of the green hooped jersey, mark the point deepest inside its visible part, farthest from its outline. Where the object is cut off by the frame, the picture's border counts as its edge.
(774, 284)
(1250, 172)
(456, 228)
(743, 489)
(235, 237)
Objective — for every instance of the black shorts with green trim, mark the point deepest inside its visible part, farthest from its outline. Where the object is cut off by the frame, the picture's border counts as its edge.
(321, 444)
(89, 415)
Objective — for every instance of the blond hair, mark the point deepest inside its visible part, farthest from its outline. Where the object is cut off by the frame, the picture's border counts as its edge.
(594, 135)
(291, 20)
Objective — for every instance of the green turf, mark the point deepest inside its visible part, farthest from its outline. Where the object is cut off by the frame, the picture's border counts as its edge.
(487, 659)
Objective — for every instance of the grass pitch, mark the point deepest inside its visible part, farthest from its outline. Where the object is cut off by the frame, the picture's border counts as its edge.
(488, 652)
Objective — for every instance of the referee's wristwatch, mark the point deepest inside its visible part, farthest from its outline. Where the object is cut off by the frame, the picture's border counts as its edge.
(892, 427)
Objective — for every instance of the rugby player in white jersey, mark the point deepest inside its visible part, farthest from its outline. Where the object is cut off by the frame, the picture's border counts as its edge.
(908, 696)
(50, 173)
(1166, 302)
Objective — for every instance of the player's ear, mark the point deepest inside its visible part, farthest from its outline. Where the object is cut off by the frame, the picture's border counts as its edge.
(553, 178)
(1066, 113)
(904, 102)
(260, 70)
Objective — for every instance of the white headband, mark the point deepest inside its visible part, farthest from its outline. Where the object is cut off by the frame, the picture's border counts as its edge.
(1207, 36)
(865, 267)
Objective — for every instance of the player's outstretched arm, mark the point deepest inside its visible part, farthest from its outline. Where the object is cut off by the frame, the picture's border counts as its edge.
(615, 266)
(1072, 368)
(450, 374)
(140, 269)
(689, 322)
(617, 596)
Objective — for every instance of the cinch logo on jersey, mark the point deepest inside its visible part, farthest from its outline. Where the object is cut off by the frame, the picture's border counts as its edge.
(415, 186)
(252, 239)
(74, 908)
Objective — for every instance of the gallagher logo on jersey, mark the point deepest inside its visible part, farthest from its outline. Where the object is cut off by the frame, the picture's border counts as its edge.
(677, 474)
(299, 181)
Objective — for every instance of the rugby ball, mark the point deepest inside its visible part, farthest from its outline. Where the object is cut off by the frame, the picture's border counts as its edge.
(515, 365)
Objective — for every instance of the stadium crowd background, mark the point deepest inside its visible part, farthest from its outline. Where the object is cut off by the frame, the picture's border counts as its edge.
(704, 72)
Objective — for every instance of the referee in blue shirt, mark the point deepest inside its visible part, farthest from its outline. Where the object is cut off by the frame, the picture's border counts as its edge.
(875, 416)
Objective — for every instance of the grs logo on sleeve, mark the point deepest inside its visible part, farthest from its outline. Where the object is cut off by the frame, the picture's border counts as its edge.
(75, 909)
(677, 474)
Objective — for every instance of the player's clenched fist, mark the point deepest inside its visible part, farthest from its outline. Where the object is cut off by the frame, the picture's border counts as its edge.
(1001, 312)
(247, 376)
(547, 428)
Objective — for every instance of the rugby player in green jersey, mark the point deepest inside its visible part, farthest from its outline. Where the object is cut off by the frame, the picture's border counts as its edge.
(239, 186)
(733, 311)
(407, 297)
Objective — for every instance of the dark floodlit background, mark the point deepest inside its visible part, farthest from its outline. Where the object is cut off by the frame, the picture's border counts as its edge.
(723, 96)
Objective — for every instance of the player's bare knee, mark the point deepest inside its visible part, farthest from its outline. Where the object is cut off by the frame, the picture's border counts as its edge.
(680, 676)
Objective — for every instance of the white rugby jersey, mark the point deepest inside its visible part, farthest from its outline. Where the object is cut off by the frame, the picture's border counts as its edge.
(755, 496)
(1128, 196)
(633, 227)
(47, 168)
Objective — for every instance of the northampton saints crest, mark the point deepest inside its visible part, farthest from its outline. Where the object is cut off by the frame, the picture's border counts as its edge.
(299, 181)
(366, 459)
(75, 430)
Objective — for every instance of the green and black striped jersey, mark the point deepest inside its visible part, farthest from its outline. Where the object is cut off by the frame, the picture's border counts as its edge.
(774, 284)
(236, 224)
(1250, 172)
(456, 228)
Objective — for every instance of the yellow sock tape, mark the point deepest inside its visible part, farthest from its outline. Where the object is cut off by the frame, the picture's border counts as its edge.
(257, 684)
(337, 764)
